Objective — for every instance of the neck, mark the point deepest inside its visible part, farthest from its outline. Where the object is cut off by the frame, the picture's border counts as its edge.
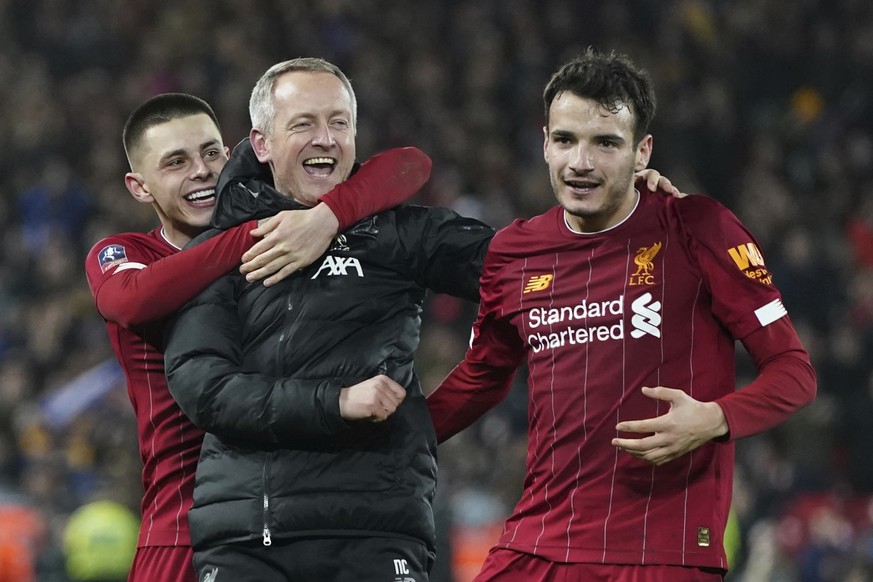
(577, 224)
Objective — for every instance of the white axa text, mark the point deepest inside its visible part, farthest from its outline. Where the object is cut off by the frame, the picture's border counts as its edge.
(339, 266)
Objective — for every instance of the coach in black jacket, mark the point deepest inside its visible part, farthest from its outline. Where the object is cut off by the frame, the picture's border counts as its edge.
(288, 487)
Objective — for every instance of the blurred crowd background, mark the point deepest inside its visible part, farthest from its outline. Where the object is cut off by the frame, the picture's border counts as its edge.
(765, 105)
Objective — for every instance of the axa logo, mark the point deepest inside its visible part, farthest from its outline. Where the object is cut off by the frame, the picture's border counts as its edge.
(644, 260)
(339, 266)
(646, 319)
(748, 259)
(538, 283)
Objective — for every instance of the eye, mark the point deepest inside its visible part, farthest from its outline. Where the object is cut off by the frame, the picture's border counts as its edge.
(211, 153)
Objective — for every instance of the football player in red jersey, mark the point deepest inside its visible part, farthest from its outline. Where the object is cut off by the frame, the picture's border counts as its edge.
(626, 306)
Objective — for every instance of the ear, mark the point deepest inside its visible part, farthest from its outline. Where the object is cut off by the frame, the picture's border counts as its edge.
(546, 143)
(258, 140)
(644, 153)
(137, 187)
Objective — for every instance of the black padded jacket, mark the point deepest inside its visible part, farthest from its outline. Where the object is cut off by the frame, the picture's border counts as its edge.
(260, 369)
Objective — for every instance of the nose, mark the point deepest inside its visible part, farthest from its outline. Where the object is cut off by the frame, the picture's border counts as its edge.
(200, 169)
(323, 136)
(582, 159)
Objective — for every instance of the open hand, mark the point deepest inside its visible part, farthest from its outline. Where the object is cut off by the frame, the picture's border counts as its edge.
(688, 424)
(290, 241)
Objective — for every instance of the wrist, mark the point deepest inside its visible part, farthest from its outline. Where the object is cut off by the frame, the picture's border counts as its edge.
(326, 216)
(721, 429)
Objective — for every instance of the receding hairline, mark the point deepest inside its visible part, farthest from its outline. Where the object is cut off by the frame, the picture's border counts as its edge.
(261, 106)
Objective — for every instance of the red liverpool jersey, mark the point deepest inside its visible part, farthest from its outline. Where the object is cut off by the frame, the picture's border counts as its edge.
(169, 444)
(657, 300)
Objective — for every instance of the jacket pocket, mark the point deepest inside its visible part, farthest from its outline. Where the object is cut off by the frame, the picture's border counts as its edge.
(361, 459)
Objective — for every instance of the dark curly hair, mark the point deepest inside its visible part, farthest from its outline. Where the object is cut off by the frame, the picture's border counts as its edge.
(612, 80)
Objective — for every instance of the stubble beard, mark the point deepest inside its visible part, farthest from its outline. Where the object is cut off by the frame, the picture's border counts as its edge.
(615, 197)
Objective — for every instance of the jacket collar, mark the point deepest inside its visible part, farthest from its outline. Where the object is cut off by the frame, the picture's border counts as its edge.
(245, 190)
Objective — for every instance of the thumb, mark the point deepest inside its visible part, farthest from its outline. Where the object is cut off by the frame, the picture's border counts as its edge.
(265, 226)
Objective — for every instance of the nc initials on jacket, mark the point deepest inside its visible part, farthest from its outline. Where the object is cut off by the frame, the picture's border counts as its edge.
(339, 266)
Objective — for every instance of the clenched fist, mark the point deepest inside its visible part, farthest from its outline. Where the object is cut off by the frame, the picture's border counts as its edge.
(375, 399)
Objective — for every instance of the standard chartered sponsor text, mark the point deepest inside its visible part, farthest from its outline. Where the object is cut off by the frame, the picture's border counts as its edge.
(573, 335)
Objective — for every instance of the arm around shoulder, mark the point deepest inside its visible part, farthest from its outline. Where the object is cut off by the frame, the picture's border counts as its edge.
(143, 290)
(382, 182)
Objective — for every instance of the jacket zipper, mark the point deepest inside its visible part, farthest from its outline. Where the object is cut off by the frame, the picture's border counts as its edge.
(268, 539)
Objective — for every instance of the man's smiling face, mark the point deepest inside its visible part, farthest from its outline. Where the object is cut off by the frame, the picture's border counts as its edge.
(592, 157)
(311, 144)
(176, 169)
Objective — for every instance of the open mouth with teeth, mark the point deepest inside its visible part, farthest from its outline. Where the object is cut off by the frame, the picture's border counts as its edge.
(582, 185)
(201, 198)
(319, 166)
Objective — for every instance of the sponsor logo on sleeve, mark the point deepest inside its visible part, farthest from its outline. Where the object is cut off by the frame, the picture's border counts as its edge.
(748, 259)
(110, 256)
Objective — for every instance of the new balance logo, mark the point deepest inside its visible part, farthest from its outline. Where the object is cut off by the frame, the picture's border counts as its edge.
(339, 266)
(647, 317)
(538, 283)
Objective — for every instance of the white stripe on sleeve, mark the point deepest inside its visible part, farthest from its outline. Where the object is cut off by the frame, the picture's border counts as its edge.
(770, 312)
(126, 266)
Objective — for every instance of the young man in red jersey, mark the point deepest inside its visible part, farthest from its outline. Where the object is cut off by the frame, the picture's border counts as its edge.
(625, 306)
(175, 150)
